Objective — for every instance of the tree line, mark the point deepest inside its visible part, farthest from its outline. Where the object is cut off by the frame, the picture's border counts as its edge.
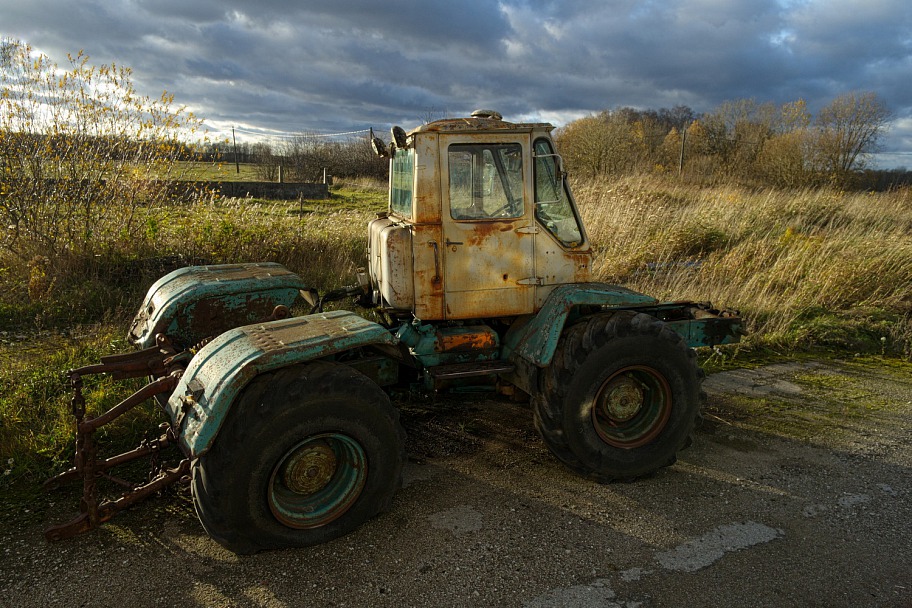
(743, 140)
(302, 158)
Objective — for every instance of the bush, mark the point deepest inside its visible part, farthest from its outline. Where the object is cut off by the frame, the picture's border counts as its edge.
(81, 152)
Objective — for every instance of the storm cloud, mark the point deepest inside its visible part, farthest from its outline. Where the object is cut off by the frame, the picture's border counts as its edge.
(326, 66)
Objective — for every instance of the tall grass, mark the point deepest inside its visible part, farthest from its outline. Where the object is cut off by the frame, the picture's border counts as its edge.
(324, 241)
(811, 266)
(805, 268)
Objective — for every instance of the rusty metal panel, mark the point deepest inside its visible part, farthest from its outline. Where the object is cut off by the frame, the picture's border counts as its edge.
(374, 227)
(197, 302)
(472, 339)
(558, 266)
(391, 264)
(220, 370)
(428, 268)
(427, 180)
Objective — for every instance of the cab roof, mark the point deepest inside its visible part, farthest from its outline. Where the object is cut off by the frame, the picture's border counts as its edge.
(481, 120)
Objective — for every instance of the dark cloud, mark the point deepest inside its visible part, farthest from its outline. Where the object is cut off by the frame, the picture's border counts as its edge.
(329, 65)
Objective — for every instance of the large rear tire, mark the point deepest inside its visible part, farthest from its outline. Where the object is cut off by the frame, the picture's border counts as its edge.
(306, 454)
(620, 398)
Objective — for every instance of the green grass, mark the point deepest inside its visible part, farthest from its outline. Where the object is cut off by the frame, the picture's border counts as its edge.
(218, 172)
(837, 401)
(36, 422)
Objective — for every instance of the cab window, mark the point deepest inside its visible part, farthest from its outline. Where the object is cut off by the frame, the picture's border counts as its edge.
(486, 181)
(553, 209)
(402, 177)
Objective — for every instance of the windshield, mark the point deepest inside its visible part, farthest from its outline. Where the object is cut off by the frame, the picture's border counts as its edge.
(486, 181)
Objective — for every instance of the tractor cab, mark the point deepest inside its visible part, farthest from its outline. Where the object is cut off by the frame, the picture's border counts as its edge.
(480, 223)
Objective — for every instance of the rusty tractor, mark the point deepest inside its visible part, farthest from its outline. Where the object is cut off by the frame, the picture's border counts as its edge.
(478, 273)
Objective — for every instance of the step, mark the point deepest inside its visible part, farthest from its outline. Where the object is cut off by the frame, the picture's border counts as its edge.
(469, 370)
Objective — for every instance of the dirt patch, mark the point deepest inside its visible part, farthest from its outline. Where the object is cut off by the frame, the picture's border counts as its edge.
(796, 492)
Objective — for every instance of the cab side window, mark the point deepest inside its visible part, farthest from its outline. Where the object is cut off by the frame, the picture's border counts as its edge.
(552, 203)
(402, 176)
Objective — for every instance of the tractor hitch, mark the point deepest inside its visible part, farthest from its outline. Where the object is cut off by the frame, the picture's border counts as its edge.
(159, 362)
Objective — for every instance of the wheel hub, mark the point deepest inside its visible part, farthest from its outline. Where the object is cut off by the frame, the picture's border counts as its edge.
(624, 400)
(632, 407)
(310, 468)
(317, 481)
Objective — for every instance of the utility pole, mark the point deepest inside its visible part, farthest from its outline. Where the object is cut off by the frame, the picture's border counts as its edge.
(237, 165)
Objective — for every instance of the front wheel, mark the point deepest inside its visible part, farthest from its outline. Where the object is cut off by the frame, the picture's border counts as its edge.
(620, 397)
(306, 454)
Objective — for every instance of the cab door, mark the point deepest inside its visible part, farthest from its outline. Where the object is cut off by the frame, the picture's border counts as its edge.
(488, 228)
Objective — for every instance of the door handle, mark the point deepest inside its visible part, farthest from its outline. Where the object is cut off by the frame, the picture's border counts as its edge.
(448, 242)
(436, 278)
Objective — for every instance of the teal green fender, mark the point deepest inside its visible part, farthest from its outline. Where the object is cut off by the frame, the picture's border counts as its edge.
(536, 340)
(219, 371)
(197, 302)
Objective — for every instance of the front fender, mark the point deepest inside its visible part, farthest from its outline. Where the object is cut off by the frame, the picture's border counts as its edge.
(536, 340)
(219, 371)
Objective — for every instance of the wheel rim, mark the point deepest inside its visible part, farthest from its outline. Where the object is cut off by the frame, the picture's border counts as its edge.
(632, 407)
(317, 480)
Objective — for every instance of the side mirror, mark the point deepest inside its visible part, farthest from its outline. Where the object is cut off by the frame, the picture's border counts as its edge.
(378, 146)
(399, 137)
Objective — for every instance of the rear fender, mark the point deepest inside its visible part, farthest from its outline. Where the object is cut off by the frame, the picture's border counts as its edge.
(535, 341)
(219, 371)
(198, 302)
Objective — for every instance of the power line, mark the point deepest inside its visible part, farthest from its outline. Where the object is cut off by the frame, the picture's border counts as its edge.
(290, 135)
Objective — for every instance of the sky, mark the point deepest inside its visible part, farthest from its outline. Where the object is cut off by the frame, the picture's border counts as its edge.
(338, 66)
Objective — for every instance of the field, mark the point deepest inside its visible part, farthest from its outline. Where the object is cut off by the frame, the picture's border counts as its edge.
(809, 270)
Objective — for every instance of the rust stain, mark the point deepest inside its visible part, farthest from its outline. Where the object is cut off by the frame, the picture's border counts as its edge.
(467, 339)
(213, 316)
(482, 231)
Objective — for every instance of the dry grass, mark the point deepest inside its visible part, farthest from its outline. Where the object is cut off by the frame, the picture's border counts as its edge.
(787, 259)
(805, 268)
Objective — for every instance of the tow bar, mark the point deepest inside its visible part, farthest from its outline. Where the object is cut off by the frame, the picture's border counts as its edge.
(158, 361)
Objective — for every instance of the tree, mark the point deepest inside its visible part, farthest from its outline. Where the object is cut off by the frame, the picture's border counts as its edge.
(79, 152)
(584, 144)
(267, 163)
(783, 159)
(847, 131)
(736, 132)
(307, 156)
(609, 143)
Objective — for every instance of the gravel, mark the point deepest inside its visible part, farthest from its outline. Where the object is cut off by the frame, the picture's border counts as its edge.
(747, 517)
